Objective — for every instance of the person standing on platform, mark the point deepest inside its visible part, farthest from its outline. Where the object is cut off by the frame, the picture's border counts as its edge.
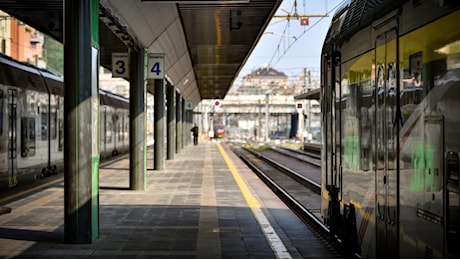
(194, 131)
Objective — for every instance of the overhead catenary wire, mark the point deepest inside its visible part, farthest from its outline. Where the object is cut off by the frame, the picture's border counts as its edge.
(297, 38)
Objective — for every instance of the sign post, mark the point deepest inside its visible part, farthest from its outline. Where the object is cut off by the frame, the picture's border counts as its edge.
(156, 71)
(299, 105)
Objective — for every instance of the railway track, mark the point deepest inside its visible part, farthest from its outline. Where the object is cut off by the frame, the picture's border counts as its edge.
(295, 177)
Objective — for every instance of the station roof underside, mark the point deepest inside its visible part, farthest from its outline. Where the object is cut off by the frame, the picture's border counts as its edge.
(205, 43)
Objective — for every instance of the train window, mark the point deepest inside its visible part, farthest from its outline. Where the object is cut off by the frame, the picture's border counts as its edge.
(1, 112)
(109, 132)
(416, 70)
(412, 88)
(44, 126)
(27, 136)
(120, 131)
(53, 126)
(55, 117)
(61, 134)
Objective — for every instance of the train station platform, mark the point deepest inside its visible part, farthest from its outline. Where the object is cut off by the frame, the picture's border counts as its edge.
(205, 204)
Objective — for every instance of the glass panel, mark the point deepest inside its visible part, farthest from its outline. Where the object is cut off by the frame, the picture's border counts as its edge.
(109, 132)
(53, 126)
(44, 126)
(27, 136)
(61, 134)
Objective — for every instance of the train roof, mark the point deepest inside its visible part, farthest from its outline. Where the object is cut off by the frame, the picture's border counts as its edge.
(28, 76)
(312, 94)
(108, 98)
(356, 14)
(16, 73)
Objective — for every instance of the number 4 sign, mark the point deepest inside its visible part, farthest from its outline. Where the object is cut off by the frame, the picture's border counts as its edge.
(155, 65)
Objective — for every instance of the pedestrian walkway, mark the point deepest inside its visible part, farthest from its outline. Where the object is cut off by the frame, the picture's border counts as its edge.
(205, 204)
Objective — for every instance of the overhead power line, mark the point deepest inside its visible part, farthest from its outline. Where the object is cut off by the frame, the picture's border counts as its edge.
(297, 16)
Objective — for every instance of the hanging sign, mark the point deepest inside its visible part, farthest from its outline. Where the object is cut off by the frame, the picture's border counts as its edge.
(120, 65)
(188, 105)
(155, 65)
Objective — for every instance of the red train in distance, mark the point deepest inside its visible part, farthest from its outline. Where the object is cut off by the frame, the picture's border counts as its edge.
(219, 131)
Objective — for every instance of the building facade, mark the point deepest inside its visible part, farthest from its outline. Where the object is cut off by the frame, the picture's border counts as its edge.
(20, 41)
(265, 79)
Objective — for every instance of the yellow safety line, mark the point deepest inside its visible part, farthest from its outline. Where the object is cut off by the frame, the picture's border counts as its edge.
(252, 202)
(271, 235)
(15, 195)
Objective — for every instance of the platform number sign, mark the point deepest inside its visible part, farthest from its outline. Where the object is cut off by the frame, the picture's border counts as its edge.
(120, 65)
(188, 105)
(155, 65)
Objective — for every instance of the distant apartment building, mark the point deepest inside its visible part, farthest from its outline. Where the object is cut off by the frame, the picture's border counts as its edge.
(20, 41)
(263, 79)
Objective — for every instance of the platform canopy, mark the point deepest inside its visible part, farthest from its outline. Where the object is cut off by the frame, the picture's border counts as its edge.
(206, 43)
(312, 94)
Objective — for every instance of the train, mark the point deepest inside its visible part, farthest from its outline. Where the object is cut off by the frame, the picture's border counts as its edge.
(390, 102)
(31, 123)
(219, 130)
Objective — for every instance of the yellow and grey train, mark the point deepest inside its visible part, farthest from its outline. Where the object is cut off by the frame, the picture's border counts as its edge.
(390, 98)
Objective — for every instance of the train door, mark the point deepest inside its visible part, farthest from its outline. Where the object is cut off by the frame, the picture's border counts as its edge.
(386, 141)
(12, 136)
(332, 128)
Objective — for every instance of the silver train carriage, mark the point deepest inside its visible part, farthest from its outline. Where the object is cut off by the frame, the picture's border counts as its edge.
(390, 102)
(31, 123)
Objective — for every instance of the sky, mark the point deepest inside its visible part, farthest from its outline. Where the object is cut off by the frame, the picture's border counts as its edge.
(278, 48)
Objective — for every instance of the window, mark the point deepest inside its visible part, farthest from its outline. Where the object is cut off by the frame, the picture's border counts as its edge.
(27, 136)
(61, 134)
(44, 126)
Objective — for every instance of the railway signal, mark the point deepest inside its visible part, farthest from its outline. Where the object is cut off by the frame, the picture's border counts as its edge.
(217, 103)
(299, 106)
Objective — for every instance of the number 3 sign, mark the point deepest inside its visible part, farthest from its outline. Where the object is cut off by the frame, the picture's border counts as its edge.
(120, 65)
(155, 65)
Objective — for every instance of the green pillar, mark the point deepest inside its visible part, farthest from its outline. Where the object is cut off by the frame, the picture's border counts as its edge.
(159, 128)
(171, 118)
(184, 124)
(81, 121)
(178, 122)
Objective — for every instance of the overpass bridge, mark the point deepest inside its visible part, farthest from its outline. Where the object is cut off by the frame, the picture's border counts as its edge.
(245, 116)
(253, 104)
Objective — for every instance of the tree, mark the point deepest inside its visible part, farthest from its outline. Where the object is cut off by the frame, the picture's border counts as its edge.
(54, 55)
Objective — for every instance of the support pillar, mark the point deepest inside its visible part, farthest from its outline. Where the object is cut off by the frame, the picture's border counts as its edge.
(159, 128)
(178, 122)
(189, 125)
(81, 126)
(137, 118)
(184, 124)
(171, 118)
